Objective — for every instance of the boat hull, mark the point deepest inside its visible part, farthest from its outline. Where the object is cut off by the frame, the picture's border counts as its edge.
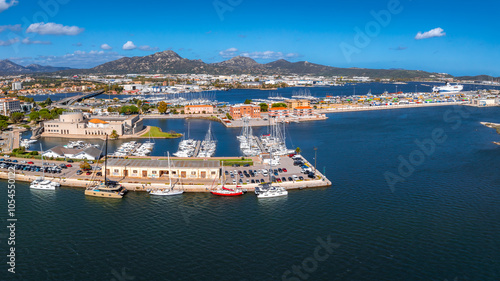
(37, 187)
(227, 193)
(103, 194)
(272, 194)
(169, 193)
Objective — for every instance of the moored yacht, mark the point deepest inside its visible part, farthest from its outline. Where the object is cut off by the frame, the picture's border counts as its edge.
(169, 190)
(41, 183)
(108, 188)
(268, 190)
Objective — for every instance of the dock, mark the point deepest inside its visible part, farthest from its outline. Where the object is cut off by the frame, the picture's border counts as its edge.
(197, 149)
(259, 143)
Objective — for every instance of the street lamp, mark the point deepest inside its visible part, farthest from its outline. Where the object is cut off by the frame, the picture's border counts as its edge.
(315, 158)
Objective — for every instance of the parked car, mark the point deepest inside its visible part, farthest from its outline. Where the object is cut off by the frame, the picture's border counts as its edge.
(79, 172)
(69, 165)
(88, 173)
(31, 162)
(285, 170)
(70, 161)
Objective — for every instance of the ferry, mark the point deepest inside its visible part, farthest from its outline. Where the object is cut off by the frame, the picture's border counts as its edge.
(448, 88)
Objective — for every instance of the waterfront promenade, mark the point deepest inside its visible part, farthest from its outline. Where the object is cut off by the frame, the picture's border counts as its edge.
(69, 178)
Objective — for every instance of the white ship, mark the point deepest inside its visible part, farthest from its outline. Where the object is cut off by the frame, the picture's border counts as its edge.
(448, 88)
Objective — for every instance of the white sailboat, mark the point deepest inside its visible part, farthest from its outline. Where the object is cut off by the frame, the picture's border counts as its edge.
(41, 183)
(169, 190)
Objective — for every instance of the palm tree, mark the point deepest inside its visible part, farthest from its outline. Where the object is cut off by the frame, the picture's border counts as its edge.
(297, 150)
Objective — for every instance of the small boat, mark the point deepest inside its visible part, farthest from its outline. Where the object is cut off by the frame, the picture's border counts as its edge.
(108, 188)
(41, 183)
(227, 192)
(44, 185)
(168, 191)
(268, 190)
(224, 191)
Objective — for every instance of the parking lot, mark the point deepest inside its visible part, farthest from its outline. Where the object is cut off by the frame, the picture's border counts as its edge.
(286, 171)
(33, 167)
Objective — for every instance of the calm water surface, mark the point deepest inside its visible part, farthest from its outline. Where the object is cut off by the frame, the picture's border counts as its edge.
(440, 224)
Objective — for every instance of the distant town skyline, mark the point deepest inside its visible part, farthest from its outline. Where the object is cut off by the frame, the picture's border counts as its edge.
(438, 36)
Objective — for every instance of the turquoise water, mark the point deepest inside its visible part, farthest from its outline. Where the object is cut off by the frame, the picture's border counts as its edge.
(440, 224)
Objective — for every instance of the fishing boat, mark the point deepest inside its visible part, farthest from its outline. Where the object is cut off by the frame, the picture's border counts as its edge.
(41, 183)
(224, 191)
(169, 190)
(108, 188)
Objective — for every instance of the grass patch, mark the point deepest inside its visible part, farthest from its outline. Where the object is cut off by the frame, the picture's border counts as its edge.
(241, 162)
(156, 132)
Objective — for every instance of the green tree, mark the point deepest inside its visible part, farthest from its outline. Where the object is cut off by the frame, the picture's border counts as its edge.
(162, 107)
(4, 118)
(145, 108)
(48, 101)
(248, 101)
(278, 104)
(114, 134)
(45, 115)
(264, 107)
(17, 117)
(229, 116)
(3, 125)
(297, 150)
(85, 165)
(34, 116)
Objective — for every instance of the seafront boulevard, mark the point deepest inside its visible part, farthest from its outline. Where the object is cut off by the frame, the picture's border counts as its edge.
(69, 177)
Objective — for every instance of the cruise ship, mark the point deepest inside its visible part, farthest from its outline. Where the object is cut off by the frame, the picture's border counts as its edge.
(448, 88)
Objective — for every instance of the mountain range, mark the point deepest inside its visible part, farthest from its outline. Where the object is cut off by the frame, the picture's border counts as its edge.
(8, 67)
(169, 62)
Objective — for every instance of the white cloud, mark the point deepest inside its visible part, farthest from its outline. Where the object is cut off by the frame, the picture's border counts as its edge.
(77, 59)
(4, 5)
(269, 55)
(436, 32)
(129, 46)
(106, 47)
(9, 42)
(229, 53)
(51, 28)
(148, 48)
(28, 41)
(15, 27)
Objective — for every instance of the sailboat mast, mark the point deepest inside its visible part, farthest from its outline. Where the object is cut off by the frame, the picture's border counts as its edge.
(43, 168)
(169, 170)
(106, 161)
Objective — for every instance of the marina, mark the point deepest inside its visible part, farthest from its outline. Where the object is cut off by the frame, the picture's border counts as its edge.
(358, 206)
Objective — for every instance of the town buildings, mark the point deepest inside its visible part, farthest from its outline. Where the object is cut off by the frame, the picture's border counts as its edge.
(198, 109)
(76, 123)
(244, 110)
(9, 105)
(179, 169)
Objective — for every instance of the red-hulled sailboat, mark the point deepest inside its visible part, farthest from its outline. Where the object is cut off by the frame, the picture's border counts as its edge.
(224, 191)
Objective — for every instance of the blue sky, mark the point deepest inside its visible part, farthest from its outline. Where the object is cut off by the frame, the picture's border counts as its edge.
(72, 33)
